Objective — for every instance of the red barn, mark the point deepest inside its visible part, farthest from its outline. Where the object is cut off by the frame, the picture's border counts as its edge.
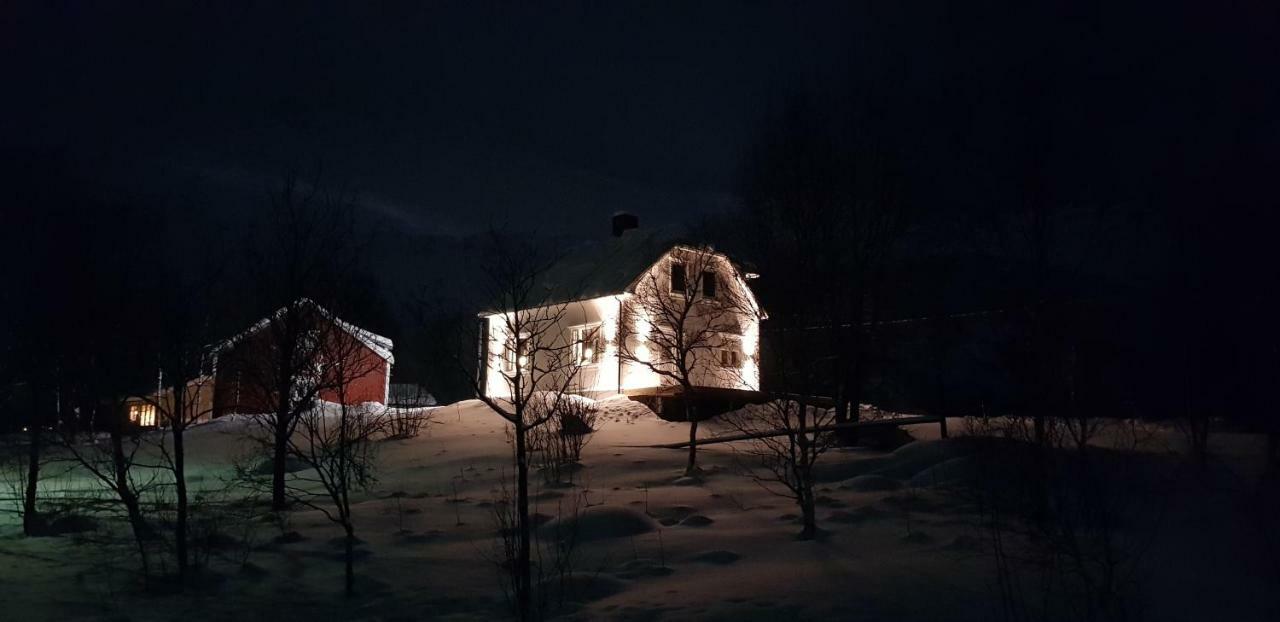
(331, 359)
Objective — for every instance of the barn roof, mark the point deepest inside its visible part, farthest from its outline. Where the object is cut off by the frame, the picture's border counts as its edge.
(377, 343)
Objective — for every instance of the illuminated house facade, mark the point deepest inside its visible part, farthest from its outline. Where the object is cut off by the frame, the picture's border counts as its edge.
(605, 308)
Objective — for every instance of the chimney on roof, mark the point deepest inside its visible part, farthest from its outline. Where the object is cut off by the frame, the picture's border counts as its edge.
(623, 221)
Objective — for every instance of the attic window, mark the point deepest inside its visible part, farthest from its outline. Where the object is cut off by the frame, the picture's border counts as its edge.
(678, 279)
(730, 357)
(709, 284)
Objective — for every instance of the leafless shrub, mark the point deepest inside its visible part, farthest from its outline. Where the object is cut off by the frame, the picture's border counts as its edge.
(404, 423)
(1076, 562)
(788, 436)
(556, 448)
(339, 448)
(110, 459)
(553, 561)
(535, 368)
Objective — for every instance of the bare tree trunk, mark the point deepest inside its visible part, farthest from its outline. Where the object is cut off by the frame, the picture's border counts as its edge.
(133, 509)
(1199, 425)
(691, 468)
(349, 547)
(849, 404)
(842, 402)
(809, 526)
(35, 436)
(523, 579)
(288, 346)
(279, 460)
(180, 485)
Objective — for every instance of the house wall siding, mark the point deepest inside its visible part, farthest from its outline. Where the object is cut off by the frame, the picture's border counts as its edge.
(620, 317)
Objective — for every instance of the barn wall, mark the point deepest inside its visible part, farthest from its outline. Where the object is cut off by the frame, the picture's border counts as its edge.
(369, 386)
(246, 370)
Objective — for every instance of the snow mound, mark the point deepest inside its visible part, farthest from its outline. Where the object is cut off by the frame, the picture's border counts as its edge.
(953, 472)
(916, 537)
(871, 483)
(717, 558)
(581, 588)
(601, 523)
(910, 459)
(860, 515)
(641, 568)
(697, 520)
(623, 408)
(834, 471)
(963, 542)
(767, 410)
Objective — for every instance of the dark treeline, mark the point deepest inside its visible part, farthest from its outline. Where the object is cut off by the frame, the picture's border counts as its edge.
(105, 282)
(1087, 232)
(1080, 205)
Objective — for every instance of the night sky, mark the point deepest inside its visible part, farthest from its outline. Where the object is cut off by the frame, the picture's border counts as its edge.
(448, 117)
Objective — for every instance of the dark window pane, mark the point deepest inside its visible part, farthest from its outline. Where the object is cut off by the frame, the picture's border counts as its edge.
(677, 277)
(709, 284)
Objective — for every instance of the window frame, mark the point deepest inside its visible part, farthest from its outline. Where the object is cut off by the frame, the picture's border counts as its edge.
(511, 354)
(142, 414)
(684, 278)
(577, 341)
(731, 349)
(709, 277)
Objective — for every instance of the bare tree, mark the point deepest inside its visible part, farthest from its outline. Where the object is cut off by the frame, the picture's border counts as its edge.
(832, 205)
(337, 442)
(111, 461)
(681, 317)
(308, 253)
(23, 457)
(535, 363)
(784, 463)
(786, 437)
(186, 400)
(27, 461)
(183, 326)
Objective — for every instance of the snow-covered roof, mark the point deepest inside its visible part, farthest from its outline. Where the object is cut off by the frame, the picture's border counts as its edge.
(377, 343)
(606, 266)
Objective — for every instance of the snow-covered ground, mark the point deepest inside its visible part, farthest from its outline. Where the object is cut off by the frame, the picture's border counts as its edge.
(653, 547)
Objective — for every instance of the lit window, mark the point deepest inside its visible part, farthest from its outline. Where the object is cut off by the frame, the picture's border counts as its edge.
(142, 414)
(516, 354)
(586, 344)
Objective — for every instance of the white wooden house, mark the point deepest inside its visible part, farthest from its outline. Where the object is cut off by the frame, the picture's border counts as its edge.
(607, 294)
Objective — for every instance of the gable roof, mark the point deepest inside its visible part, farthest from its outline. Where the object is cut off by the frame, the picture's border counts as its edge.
(609, 266)
(380, 345)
